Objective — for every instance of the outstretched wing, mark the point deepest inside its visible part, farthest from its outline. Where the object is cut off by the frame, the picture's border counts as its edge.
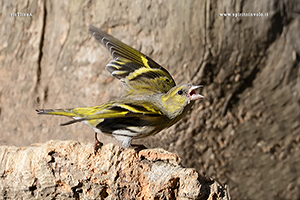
(137, 72)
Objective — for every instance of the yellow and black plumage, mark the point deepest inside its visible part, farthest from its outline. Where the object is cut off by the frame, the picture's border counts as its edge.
(151, 102)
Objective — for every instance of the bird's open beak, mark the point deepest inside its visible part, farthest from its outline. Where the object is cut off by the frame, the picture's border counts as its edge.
(192, 94)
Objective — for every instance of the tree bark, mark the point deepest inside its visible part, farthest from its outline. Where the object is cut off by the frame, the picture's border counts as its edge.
(63, 170)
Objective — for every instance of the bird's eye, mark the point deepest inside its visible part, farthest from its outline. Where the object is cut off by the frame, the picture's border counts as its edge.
(180, 92)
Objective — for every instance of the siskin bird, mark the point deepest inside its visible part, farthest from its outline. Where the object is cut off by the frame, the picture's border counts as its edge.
(151, 103)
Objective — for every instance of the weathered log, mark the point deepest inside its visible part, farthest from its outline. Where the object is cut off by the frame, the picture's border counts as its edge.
(69, 169)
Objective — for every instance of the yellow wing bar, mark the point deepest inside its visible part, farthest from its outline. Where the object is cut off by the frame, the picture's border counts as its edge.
(133, 68)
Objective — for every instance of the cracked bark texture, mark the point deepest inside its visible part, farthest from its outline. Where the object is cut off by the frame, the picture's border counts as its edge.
(245, 133)
(69, 169)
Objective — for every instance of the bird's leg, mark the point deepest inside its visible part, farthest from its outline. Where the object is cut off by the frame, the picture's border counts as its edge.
(97, 143)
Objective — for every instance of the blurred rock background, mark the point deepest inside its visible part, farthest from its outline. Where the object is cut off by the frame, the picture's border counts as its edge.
(244, 134)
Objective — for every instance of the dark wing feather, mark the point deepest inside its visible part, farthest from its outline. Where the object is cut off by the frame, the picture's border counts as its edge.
(137, 71)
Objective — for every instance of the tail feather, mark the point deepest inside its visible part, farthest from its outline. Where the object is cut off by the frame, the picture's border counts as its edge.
(63, 112)
(72, 121)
